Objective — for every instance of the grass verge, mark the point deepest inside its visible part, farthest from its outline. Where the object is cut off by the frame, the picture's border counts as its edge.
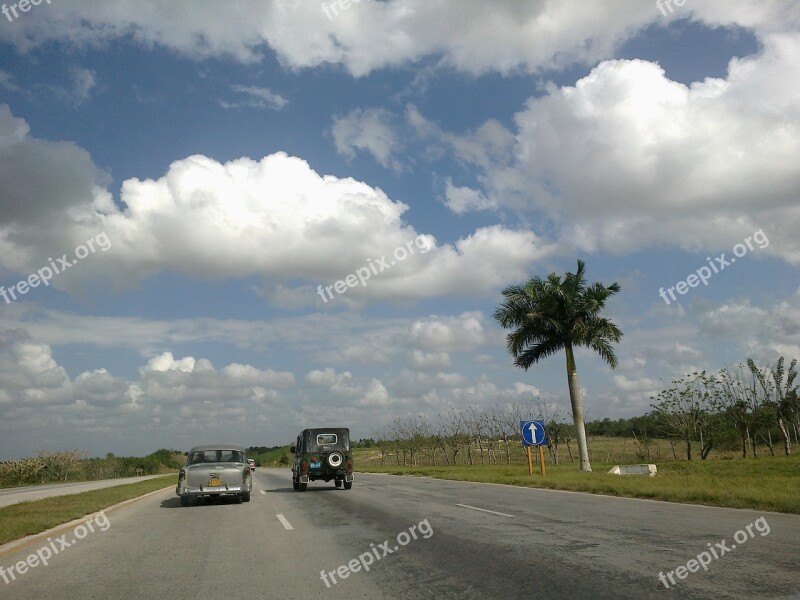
(765, 483)
(28, 518)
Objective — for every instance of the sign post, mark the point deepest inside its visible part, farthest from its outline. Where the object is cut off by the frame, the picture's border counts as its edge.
(541, 459)
(533, 435)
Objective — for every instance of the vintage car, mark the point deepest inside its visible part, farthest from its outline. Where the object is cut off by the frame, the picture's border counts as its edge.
(322, 454)
(215, 470)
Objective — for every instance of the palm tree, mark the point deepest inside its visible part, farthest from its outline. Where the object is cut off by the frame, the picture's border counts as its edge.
(549, 315)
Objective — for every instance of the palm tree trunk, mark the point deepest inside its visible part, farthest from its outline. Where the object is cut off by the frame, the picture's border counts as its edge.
(577, 409)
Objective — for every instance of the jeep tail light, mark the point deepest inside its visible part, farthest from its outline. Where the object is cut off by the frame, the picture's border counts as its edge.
(303, 467)
(349, 466)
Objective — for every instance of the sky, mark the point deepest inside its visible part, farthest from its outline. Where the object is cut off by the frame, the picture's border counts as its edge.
(232, 221)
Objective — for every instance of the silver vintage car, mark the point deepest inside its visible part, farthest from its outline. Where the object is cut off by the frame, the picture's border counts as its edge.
(215, 470)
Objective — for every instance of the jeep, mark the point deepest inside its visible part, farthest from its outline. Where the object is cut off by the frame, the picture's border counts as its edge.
(322, 454)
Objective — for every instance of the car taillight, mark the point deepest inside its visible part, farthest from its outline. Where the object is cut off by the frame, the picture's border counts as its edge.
(349, 465)
(303, 467)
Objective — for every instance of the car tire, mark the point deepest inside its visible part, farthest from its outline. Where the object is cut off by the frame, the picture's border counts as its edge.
(184, 500)
(335, 460)
(246, 496)
(348, 485)
(339, 483)
(295, 484)
(302, 487)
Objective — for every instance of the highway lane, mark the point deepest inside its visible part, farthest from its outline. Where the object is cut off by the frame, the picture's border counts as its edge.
(535, 544)
(15, 495)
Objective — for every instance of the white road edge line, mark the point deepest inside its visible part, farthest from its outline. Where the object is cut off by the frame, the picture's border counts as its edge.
(494, 512)
(284, 522)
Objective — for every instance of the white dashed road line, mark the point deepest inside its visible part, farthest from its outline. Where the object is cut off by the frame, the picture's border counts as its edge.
(494, 512)
(284, 522)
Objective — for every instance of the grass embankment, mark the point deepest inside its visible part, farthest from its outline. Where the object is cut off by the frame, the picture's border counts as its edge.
(28, 518)
(764, 483)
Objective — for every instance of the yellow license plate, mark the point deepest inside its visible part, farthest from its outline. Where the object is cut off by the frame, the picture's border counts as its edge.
(214, 483)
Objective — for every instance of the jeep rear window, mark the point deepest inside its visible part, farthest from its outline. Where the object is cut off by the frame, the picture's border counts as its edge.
(323, 439)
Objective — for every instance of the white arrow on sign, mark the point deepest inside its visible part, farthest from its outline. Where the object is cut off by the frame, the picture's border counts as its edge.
(532, 429)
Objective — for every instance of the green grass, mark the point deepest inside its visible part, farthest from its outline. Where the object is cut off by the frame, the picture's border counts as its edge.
(28, 518)
(764, 483)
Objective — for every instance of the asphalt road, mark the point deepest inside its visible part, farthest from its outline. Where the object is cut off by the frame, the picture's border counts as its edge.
(16, 495)
(536, 544)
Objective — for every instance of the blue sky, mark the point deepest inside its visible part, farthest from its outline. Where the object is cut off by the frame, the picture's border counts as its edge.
(224, 162)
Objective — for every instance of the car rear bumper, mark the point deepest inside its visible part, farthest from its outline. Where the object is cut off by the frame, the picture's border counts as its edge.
(212, 491)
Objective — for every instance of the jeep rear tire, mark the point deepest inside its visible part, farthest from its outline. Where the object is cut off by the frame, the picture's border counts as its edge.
(302, 486)
(348, 485)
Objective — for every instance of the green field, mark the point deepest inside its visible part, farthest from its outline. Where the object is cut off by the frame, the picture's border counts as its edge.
(762, 483)
(28, 518)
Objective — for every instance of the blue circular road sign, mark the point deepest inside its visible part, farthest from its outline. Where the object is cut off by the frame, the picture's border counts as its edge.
(532, 432)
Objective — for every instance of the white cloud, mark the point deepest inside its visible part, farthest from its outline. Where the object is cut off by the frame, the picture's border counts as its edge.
(464, 199)
(628, 159)
(6, 81)
(83, 82)
(28, 372)
(429, 360)
(502, 36)
(369, 130)
(256, 97)
(274, 218)
(343, 387)
(175, 400)
(447, 334)
(166, 362)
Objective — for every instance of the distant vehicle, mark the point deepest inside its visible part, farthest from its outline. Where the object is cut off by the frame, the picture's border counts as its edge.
(215, 470)
(252, 464)
(322, 454)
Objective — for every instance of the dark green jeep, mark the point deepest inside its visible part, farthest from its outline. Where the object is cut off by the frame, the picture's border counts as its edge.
(322, 454)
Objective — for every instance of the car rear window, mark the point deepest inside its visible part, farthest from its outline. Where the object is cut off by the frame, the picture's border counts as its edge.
(214, 456)
(324, 439)
(231, 456)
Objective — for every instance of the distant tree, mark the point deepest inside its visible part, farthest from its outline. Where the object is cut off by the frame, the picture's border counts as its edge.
(686, 408)
(793, 412)
(777, 390)
(734, 399)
